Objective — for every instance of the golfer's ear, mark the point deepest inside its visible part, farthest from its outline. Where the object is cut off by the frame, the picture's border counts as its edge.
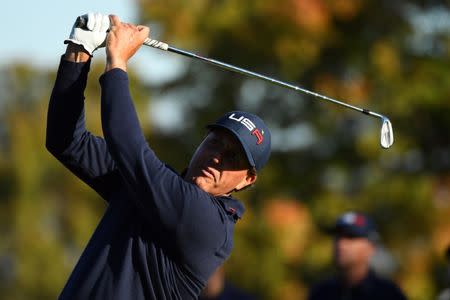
(249, 179)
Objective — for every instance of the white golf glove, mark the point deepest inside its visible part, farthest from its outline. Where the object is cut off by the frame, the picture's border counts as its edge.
(93, 34)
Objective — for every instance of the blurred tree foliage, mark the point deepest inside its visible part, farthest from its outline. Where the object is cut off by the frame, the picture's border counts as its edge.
(391, 57)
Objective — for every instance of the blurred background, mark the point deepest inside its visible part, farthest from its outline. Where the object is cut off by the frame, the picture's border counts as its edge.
(392, 57)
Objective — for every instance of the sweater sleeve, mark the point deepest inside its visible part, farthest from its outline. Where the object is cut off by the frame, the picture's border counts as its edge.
(159, 192)
(68, 140)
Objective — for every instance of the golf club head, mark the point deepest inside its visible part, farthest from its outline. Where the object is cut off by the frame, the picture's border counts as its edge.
(387, 134)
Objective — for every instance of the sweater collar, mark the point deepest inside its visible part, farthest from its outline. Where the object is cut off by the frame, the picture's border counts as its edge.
(232, 206)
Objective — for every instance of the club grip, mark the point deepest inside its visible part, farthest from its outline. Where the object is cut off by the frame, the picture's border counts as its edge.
(156, 44)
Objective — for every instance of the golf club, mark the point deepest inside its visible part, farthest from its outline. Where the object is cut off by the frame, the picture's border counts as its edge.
(387, 133)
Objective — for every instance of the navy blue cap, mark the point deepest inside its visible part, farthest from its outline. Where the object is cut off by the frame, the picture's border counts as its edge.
(251, 132)
(355, 224)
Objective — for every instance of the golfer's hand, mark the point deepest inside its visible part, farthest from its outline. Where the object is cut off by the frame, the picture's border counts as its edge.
(122, 42)
(93, 35)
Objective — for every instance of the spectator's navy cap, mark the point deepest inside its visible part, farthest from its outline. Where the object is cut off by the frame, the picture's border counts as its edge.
(353, 224)
(251, 132)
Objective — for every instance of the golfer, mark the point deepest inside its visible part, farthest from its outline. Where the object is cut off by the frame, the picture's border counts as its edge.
(163, 234)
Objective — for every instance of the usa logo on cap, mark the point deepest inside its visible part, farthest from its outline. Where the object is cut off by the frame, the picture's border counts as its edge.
(252, 133)
(251, 127)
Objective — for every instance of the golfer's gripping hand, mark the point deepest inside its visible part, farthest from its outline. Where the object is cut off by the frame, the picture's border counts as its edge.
(122, 42)
(91, 36)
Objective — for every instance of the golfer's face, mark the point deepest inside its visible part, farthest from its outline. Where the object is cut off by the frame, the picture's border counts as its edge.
(219, 165)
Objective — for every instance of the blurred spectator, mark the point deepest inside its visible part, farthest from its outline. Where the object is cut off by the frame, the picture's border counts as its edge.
(355, 239)
(218, 288)
(445, 293)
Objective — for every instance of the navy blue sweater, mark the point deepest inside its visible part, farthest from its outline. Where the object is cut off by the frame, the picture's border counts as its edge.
(161, 237)
(371, 287)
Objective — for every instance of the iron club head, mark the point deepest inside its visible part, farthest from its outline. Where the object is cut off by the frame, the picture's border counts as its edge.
(387, 134)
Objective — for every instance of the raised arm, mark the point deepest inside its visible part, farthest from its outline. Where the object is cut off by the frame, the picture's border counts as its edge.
(159, 192)
(67, 139)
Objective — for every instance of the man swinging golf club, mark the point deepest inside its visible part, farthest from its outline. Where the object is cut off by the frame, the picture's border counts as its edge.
(162, 234)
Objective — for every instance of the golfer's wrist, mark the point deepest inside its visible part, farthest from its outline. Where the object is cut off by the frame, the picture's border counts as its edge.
(115, 63)
(76, 53)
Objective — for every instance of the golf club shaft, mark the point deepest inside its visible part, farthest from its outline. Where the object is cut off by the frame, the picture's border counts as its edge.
(387, 136)
(166, 47)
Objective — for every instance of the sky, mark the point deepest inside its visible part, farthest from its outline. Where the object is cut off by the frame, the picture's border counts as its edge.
(34, 32)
